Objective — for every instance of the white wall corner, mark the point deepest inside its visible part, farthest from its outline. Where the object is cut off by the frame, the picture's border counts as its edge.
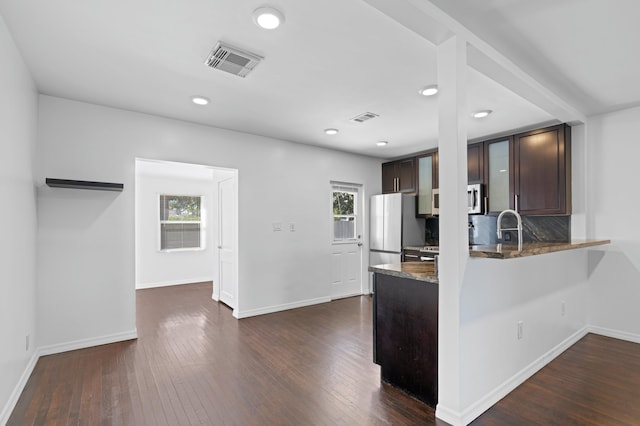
(17, 390)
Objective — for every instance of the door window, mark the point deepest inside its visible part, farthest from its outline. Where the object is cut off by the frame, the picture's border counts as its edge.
(344, 210)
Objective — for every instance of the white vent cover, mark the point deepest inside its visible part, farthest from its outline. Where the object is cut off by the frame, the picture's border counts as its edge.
(232, 60)
(364, 117)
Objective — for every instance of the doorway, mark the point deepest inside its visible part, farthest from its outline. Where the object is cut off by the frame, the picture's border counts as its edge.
(180, 236)
(347, 209)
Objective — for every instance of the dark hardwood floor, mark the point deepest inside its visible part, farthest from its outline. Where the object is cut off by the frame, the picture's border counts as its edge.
(596, 382)
(194, 364)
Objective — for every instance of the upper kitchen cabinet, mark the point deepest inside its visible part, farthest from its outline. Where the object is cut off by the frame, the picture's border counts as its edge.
(399, 176)
(427, 180)
(475, 163)
(498, 174)
(542, 168)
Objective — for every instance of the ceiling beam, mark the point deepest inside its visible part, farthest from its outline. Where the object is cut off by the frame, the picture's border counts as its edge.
(436, 26)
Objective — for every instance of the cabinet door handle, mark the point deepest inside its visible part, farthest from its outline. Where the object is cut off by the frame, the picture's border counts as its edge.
(516, 202)
(486, 203)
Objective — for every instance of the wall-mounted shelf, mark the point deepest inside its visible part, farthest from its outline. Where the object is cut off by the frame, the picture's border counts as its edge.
(84, 184)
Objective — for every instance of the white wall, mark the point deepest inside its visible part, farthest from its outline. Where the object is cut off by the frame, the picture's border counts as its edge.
(614, 205)
(496, 294)
(86, 238)
(18, 114)
(155, 268)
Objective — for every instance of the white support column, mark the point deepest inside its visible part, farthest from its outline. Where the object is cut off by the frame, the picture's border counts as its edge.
(454, 237)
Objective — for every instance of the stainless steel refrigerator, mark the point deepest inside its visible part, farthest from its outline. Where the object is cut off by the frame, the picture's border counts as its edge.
(393, 225)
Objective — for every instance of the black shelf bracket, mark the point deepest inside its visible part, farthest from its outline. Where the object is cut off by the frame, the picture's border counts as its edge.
(84, 184)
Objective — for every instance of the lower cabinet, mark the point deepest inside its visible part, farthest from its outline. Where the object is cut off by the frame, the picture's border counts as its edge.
(406, 335)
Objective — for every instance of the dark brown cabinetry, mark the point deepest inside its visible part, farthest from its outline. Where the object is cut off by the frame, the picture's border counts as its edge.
(542, 171)
(399, 176)
(406, 335)
(475, 163)
(529, 172)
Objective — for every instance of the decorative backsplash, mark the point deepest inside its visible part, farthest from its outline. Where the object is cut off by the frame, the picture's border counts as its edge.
(482, 229)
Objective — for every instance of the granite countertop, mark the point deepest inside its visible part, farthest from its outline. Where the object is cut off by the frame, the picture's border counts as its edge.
(420, 271)
(510, 251)
(425, 271)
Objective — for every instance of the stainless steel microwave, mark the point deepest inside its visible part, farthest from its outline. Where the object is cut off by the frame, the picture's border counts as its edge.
(474, 199)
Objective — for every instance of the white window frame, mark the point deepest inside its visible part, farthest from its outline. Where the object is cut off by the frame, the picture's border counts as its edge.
(337, 187)
(201, 222)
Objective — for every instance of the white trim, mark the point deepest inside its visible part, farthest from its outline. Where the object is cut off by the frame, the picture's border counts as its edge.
(87, 343)
(17, 390)
(344, 296)
(621, 335)
(278, 308)
(483, 404)
(141, 286)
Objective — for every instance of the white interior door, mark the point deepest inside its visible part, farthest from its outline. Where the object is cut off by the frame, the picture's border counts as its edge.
(346, 245)
(227, 278)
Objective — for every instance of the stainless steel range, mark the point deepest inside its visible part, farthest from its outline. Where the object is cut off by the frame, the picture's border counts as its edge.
(420, 254)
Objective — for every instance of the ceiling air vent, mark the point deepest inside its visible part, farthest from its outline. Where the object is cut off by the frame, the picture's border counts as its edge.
(232, 60)
(364, 117)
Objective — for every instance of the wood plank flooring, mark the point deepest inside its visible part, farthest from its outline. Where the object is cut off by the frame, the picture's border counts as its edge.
(194, 364)
(596, 382)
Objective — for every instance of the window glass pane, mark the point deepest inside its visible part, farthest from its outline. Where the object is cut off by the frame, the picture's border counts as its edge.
(344, 228)
(343, 203)
(179, 235)
(180, 208)
(180, 226)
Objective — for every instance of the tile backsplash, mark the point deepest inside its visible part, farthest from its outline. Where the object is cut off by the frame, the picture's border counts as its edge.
(482, 229)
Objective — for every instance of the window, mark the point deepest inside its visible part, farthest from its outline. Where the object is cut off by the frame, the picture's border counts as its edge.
(344, 213)
(180, 222)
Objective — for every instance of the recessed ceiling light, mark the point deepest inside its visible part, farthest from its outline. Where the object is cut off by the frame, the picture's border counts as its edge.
(267, 18)
(331, 131)
(200, 100)
(481, 114)
(429, 90)
(382, 143)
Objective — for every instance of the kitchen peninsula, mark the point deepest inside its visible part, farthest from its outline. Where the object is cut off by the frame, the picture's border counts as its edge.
(405, 315)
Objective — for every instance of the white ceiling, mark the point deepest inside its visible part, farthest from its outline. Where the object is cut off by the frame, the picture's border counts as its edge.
(329, 62)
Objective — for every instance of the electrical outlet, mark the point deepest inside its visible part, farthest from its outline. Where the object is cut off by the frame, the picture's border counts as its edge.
(563, 308)
(26, 343)
(520, 330)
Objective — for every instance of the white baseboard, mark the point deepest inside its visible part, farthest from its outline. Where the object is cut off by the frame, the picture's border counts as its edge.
(17, 390)
(622, 335)
(486, 402)
(54, 349)
(140, 286)
(87, 343)
(346, 296)
(278, 308)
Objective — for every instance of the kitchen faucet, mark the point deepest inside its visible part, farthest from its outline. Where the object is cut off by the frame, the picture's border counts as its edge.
(517, 228)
